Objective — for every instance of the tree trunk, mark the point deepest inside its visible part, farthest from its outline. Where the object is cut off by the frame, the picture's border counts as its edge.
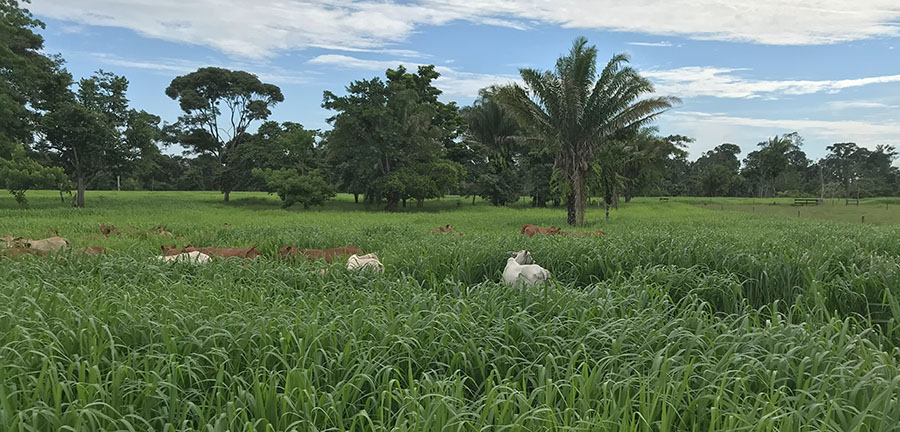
(570, 209)
(420, 203)
(473, 199)
(580, 193)
(392, 203)
(629, 190)
(404, 202)
(79, 193)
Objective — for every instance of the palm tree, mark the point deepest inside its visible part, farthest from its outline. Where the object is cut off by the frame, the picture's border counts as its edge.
(576, 112)
(493, 128)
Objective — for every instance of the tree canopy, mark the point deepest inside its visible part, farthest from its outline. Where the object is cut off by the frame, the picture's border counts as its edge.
(219, 106)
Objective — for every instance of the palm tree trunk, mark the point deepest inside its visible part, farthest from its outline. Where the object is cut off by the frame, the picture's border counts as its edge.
(570, 209)
(578, 188)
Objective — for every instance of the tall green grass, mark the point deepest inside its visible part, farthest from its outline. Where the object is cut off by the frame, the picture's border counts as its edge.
(679, 319)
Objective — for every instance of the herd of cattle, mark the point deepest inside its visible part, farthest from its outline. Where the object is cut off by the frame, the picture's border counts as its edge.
(520, 266)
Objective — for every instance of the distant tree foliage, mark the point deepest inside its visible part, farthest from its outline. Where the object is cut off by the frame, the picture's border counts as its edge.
(19, 173)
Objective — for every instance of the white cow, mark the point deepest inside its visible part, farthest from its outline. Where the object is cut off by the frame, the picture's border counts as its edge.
(194, 257)
(520, 267)
(47, 245)
(363, 261)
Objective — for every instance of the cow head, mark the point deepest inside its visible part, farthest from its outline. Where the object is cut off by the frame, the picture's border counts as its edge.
(287, 251)
(169, 250)
(252, 252)
(522, 257)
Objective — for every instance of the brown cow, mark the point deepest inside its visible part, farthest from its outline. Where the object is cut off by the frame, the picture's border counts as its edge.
(329, 255)
(446, 229)
(92, 250)
(530, 230)
(106, 230)
(161, 230)
(250, 252)
(170, 250)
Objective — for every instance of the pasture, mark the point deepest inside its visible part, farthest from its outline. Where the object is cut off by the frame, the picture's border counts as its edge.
(681, 318)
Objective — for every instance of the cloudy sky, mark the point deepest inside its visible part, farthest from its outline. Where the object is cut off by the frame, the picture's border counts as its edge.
(746, 70)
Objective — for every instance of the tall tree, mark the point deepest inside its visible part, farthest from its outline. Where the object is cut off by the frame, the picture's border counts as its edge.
(646, 156)
(96, 134)
(578, 112)
(274, 146)
(717, 171)
(31, 83)
(382, 127)
(843, 163)
(776, 158)
(219, 105)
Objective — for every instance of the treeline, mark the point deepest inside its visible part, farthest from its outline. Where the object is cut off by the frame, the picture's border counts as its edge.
(779, 167)
(567, 134)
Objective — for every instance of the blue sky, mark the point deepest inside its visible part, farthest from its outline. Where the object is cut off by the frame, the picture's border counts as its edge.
(828, 69)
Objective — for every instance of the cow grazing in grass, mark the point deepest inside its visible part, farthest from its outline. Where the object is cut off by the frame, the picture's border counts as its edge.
(52, 244)
(106, 230)
(16, 251)
(193, 257)
(446, 229)
(530, 230)
(520, 267)
(250, 252)
(365, 262)
(170, 250)
(91, 250)
(329, 255)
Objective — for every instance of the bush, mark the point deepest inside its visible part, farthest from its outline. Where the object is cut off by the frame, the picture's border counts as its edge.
(19, 173)
(309, 189)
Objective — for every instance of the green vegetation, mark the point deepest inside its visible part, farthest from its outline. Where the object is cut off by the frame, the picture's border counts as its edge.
(681, 318)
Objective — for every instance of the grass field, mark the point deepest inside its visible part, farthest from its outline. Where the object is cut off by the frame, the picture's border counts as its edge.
(874, 211)
(685, 317)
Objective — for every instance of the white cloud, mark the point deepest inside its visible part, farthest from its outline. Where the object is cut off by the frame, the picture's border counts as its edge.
(172, 67)
(454, 83)
(695, 81)
(652, 44)
(842, 105)
(260, 29)
(711, 129)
